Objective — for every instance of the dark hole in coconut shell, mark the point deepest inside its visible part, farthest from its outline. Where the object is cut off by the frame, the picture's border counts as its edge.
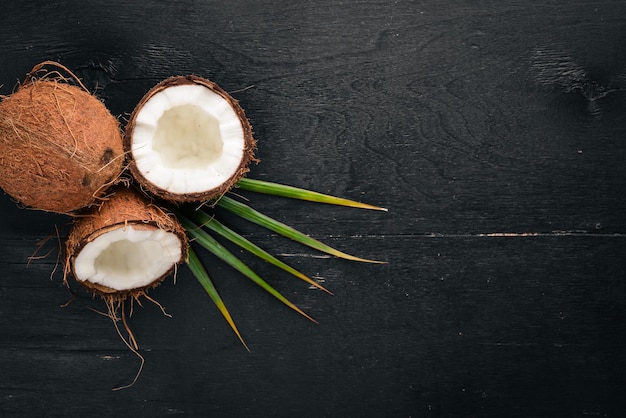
(107, 156)
(86, 181)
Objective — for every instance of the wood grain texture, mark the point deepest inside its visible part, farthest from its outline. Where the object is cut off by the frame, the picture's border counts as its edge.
(494, 133)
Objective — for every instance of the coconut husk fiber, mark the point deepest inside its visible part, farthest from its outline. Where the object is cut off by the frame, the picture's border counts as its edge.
(60, 148)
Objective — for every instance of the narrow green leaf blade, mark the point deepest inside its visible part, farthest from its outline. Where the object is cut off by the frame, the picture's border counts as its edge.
(276, 189)
(257, 217)
(202, 218)
(201, 274)
(208, 242)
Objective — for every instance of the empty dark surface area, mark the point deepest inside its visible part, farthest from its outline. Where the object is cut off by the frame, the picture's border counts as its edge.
(493, 131)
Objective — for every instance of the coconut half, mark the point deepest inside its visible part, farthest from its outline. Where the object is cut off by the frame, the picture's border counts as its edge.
(188, 140)
(125, 246)
(60, 148)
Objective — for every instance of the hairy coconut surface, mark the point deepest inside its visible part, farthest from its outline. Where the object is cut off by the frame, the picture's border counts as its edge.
(188, 140)
(124, 246)
(60, 147)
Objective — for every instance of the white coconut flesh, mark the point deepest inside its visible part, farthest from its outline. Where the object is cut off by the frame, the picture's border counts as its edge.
(187, 139)
(128, 258)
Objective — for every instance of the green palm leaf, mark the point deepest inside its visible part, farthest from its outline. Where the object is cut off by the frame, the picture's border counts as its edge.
(201, 274)
(277, 189)
(208, 242)
(252, 215)
(207, 221)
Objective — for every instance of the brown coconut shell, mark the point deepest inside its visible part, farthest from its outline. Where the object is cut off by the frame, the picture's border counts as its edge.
(248, 155)
(59, 146)
(124, 207)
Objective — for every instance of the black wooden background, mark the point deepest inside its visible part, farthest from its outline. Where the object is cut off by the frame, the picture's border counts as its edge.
(494, 131)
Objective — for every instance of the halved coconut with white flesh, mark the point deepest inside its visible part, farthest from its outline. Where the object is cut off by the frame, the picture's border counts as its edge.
(188, 140)
(125, 246)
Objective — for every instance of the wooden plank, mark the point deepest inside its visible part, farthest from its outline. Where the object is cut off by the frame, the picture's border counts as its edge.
(510, 323)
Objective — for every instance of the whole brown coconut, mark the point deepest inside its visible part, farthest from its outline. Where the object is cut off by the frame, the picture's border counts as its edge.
(124, 246)
(59, 146)
(188, 140)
